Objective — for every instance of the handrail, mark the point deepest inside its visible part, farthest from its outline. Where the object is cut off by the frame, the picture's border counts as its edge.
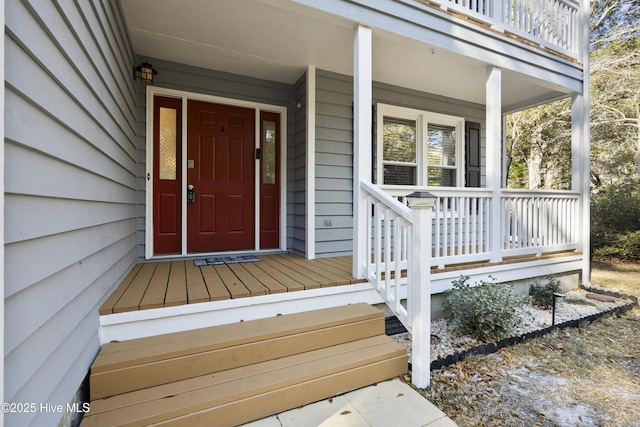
(389, 231)
(399, 239)
(512, 192)
(445, 191)
(389, 201)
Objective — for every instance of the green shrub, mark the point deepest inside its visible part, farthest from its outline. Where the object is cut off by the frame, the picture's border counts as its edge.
(542, 295)
(621, 246)
(486, 311)
(615, 220)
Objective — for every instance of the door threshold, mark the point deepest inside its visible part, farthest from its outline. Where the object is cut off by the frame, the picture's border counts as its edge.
(194, 255)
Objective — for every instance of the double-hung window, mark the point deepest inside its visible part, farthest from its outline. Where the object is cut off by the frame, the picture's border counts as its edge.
(419, 147)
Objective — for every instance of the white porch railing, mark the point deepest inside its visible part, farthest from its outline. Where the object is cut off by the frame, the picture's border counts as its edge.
(400, 251)
(534, 221)
(457, 227)
(554, 24)
(531, 222)
(389, 229)
(461, 223)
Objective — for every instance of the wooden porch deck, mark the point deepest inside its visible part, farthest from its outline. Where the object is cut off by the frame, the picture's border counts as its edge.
(171, 283)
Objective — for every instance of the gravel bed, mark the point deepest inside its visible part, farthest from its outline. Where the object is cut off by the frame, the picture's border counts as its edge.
(445, 341)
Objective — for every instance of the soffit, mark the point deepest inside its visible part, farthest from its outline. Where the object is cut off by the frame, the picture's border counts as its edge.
(277, 40)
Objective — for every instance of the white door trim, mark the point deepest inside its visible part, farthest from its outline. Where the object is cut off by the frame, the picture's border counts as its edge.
(184, 96)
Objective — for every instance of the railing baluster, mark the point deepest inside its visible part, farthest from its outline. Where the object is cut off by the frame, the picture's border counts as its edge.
(525, 223)
(516, 223)
(503, 223)
(481, 237)
(475, 205)
(458, 237)
(515, 215)
(387, 253)
(378, 245)
(555, 222)
(445, 229)
(467, 217)
(531, 210)
(369, 233)
(437, 227)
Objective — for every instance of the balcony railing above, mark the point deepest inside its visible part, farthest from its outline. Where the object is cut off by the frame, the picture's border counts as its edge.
(551, 24)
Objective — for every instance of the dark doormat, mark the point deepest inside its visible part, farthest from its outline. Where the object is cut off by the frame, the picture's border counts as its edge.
(199, 262)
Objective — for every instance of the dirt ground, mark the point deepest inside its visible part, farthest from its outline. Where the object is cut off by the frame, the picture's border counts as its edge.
(589, 376)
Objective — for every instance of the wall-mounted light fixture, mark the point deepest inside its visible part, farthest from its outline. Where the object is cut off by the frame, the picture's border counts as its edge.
(146, 72)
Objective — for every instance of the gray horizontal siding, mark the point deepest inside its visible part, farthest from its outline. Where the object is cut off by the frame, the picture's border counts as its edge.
(334, 165)
(70, 191)
(334, 150)
(218, 83)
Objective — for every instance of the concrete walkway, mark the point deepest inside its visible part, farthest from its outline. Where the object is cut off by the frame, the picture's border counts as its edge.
(387, 404)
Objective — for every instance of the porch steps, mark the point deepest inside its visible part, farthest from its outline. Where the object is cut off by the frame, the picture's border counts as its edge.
(233, 374)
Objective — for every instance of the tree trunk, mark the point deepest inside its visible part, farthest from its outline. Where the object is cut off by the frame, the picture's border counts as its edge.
(535, 167)
(638, 123)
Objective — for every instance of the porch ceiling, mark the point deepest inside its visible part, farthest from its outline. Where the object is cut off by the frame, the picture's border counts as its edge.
(277, 39)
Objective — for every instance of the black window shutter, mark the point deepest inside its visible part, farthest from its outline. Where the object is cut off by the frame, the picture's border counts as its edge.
(472, 154)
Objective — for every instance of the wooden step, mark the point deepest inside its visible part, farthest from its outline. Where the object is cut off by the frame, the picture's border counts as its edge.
(233, 374)
(243, 394)
(146, 362)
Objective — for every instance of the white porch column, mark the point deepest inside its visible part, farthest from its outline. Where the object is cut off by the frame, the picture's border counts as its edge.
(419, 292)
(580, 179)
(362, 98)
(581, 148)
(310, 178)
(494, 157)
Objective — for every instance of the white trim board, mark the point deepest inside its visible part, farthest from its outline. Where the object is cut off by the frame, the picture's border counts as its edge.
(136, 324)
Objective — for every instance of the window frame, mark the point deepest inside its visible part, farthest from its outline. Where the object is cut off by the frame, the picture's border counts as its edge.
(422, 119)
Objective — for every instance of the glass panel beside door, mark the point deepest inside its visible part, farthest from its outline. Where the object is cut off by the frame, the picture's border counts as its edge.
(167, 190)
(270, 180)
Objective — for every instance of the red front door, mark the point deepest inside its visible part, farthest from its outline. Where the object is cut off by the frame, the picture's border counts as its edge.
(221, 169)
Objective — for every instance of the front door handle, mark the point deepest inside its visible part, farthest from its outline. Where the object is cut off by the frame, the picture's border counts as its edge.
(191, 194)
